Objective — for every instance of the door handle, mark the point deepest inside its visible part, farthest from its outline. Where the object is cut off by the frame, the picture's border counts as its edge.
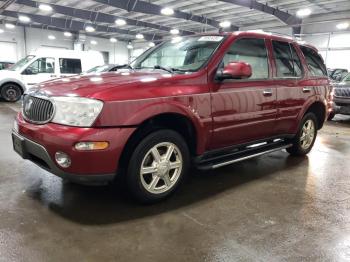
(267, 92)
(307, 89)
(53, 75)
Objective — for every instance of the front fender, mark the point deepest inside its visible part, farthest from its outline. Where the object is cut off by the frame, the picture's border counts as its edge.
(135, 112)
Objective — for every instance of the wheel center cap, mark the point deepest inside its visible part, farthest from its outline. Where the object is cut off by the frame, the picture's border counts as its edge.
(163, 168)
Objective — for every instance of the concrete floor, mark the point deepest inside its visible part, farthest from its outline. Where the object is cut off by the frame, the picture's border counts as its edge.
(273, 208)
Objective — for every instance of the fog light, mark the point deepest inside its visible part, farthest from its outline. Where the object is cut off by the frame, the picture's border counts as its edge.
(63, 159)
(85, 146)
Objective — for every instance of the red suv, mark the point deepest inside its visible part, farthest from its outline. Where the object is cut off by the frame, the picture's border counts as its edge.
(203, 100)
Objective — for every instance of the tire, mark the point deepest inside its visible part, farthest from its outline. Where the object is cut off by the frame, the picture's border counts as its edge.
(302, 147)
(162, 175)
(331, 116)
(11, 92)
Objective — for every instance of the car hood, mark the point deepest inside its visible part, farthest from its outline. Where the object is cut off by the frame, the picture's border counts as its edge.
(119, 85)
(8, 74)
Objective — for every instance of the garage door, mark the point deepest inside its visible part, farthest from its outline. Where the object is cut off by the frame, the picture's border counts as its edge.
(8, 52)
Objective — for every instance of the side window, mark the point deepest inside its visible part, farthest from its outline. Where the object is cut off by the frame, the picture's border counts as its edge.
(70, 66)
(251, 51)
(41, 66)
(298, 70)
(287, 61)
(314, 62)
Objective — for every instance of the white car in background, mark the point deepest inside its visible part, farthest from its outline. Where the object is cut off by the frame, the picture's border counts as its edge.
(44, 65)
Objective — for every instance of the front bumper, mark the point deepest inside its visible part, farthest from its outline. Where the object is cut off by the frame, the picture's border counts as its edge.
(341, 105)
(36, 153)
(39, 143)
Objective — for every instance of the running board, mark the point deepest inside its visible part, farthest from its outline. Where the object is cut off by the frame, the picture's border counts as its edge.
(241, 156)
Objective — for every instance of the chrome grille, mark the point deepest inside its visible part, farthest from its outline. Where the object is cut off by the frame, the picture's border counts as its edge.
(342, 92)
(37, 110)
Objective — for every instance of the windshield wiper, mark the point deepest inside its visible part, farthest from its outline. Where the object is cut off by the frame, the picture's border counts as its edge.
(170, 70)
(124, 66)
(180, 70)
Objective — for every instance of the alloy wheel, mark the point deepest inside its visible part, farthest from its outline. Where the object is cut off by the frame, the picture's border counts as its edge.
(307, 134)
(161, 168)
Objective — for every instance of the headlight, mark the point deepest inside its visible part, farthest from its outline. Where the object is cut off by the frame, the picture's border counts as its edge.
(76, 111)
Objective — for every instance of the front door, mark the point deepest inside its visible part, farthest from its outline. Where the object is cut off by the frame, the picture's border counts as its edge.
(245, 110)
(42, 69)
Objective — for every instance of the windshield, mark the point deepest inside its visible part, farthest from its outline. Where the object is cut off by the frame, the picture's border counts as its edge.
(180, 54)
(21, 63)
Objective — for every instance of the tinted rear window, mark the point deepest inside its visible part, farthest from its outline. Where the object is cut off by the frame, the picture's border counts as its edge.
(314, 62)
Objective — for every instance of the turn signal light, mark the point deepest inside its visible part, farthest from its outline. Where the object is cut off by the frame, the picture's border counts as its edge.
(85, 146)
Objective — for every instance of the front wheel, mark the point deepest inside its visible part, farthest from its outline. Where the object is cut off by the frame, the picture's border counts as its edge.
(306, 136)
(11, 92)
(157, 166)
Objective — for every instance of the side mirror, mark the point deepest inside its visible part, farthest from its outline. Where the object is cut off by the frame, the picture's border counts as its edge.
(235, 70)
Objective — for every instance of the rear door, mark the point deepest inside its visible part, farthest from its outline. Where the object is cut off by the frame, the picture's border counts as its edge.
(244, 110)
(288, 73)
(296, 85)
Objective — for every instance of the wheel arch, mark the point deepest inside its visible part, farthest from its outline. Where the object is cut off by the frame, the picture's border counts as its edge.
(15, 82)
(320, 111)
(167, 120)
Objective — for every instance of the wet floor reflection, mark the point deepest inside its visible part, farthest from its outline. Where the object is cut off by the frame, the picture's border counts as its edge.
(112, 204)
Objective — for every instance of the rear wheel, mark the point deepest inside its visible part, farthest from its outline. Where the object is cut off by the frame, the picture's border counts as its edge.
(11, 92)
(306, 136)
(157, 166)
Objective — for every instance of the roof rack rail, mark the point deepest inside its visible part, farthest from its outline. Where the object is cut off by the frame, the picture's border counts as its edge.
(282, 34)
(274, 33)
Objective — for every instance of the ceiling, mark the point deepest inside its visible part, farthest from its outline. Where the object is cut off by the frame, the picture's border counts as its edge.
(201, 15)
